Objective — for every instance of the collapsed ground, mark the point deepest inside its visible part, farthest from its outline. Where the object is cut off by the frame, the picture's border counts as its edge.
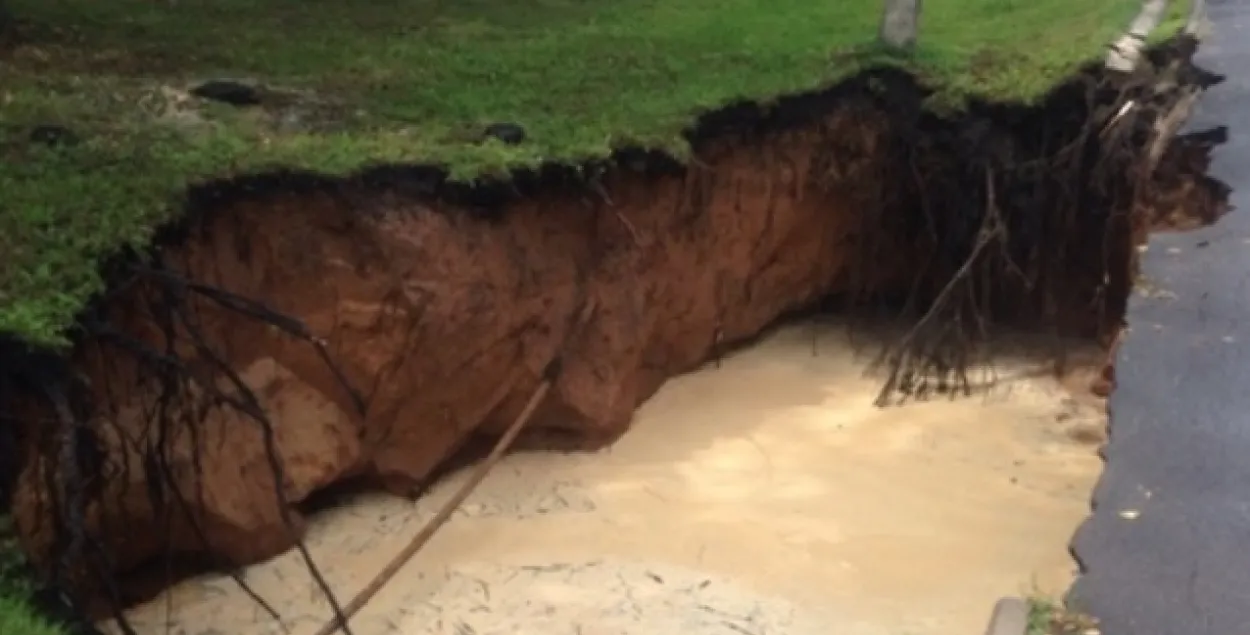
(103, 136)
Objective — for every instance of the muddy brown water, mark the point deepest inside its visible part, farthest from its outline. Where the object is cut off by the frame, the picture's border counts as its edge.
(763, 495)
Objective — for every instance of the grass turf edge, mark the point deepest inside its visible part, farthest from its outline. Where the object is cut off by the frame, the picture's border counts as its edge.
(71, 208)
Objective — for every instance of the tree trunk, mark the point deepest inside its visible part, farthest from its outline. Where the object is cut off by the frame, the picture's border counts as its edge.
(900, 23)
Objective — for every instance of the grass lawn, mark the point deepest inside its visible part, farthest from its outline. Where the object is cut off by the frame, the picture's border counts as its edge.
(415, 81)
(16, 617)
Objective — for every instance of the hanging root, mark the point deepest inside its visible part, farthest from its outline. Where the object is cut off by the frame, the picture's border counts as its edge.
(940, 344)
(77, 469)
(172, 376)
(1032, 225)
(258, 311)
(247, 404)
(77, 478)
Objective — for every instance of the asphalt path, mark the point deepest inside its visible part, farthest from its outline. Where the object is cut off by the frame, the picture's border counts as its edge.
(1167, 548)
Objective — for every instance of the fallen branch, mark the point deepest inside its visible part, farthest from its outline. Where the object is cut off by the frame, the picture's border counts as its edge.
(443, 515)
(550, 374)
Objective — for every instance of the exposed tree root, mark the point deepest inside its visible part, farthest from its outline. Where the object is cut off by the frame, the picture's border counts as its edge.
(172, 374)
(936, 346)
(184, 396)
(258, 311)
(1003, 220)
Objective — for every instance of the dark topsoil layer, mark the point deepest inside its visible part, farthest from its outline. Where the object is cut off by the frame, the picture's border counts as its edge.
(1067, 206)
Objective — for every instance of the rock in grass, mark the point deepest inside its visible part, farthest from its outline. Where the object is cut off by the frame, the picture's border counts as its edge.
(53, 135)
(228, 91)
(509, 133)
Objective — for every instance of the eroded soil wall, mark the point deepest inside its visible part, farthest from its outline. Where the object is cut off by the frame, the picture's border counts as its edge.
(443, 320)
(439, 317)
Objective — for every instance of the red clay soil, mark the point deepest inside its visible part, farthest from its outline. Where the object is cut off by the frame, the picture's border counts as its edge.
(445, 322)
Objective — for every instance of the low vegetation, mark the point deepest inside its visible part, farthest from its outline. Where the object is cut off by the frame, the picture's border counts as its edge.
(1048, 617)
(100, 137)
(16, 615)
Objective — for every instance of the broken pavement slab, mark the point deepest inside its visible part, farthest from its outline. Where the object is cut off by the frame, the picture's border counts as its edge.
(1180, 426)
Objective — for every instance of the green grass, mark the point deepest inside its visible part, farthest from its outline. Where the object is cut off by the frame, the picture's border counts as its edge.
(1051, 617)
(413, 81)
(16, 616)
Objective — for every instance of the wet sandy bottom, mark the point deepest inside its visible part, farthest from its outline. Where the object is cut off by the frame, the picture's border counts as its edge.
(764, 496)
